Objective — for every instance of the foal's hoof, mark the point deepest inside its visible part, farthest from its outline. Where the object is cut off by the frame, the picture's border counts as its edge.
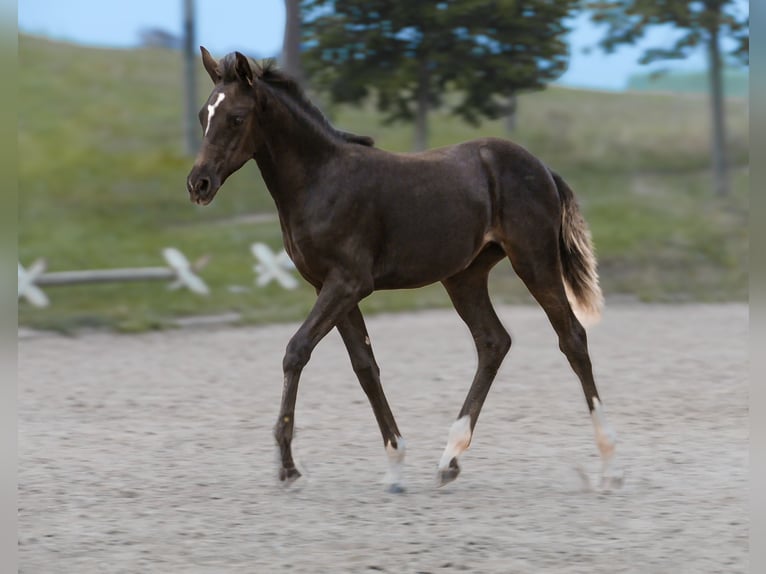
(612, 482)
(395, 488)
(609, 482)
(288, 475)
(447, 475)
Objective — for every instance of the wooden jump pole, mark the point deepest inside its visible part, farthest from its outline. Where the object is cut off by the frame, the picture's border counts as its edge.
(178, 269)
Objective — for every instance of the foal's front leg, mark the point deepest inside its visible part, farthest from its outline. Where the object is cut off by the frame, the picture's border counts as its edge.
(357, 341)
(336, 297)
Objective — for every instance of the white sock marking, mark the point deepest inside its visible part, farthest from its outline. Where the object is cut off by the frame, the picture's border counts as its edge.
(211, 110)
(458, 440)
(606, 439)
(605, 436)
(395, 461)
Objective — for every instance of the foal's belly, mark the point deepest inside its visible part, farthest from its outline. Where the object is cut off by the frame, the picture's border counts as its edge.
(420, 258)
(410, 277)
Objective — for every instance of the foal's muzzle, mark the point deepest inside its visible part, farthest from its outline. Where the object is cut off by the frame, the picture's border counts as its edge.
(202, 185)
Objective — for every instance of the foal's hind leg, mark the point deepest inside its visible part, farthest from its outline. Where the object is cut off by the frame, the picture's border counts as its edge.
(541, 272)
(357, 341)
(469, 295)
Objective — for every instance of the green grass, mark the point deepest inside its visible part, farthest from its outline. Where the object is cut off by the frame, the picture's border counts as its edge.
(101, 184)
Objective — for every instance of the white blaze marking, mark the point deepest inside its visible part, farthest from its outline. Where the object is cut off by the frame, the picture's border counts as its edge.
(211, 110)
(395, 461)
(458, 441)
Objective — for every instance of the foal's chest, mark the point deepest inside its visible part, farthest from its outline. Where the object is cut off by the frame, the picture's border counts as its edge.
(309, 260)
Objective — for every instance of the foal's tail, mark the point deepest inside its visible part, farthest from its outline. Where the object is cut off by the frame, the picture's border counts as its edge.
(578, 259)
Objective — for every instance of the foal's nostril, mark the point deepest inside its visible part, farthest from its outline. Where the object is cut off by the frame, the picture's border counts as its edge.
(203, 185)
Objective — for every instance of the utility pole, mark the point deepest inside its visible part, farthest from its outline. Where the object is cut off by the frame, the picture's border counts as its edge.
(191, 143)
(291, 44)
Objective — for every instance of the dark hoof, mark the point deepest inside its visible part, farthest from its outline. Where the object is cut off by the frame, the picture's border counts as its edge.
(447, 475)
(288, 475)
(610, 483)
(395, 488)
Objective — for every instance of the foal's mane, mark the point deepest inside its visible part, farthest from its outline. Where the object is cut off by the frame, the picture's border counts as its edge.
(283, 84)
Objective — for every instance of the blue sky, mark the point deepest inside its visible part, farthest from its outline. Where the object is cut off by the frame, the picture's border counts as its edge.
(255, 27)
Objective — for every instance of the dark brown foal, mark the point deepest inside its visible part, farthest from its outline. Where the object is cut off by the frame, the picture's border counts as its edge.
(356, 219)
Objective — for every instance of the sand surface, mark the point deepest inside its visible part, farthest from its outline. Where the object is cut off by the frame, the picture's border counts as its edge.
(154, 453)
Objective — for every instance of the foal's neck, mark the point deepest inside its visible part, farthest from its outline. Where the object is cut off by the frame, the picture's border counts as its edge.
(292, 152)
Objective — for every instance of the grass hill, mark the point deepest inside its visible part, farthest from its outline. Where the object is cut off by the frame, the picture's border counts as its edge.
(735, 81)
(101, 184)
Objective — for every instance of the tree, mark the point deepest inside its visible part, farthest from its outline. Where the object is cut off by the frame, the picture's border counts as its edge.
(408, 54)
(158, 38)
(700, 22)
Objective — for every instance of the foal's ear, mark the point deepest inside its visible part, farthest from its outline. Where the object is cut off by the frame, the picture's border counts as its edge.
(210, 65)
(243, 69)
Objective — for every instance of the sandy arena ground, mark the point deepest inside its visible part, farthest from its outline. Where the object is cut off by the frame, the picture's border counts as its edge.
(154, 453)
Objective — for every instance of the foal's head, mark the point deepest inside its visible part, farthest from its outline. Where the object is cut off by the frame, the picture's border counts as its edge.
(227, 119)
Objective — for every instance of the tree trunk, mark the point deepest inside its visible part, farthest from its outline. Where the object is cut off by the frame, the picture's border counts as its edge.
(510, 118)
(421, 114)
(718, 148)
(291, 43)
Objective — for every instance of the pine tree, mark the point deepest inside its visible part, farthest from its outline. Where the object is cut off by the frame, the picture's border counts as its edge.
(409, 54)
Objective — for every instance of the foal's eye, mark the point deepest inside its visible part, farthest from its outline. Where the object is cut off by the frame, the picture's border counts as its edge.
(236, 120)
